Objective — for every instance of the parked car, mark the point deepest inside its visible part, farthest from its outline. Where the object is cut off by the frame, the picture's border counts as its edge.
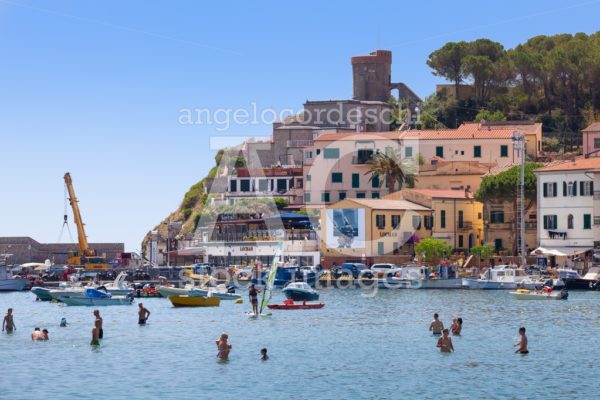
(357, 270)
(385, 269)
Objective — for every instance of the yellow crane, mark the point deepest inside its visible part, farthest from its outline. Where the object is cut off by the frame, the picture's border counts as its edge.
(86, 256)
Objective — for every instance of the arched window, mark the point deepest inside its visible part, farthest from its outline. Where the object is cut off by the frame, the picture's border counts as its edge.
(570, 221)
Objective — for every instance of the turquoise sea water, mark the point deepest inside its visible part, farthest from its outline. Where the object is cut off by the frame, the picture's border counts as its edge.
(356, 347)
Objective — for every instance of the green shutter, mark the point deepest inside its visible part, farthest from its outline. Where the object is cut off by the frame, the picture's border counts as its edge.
(581, 188)
(555, 187)
(587, 221)
(375, 181)
(439, 151)
(443, 219)
(342, 195)
(307, 178)
(504, 151)
(545, 222)
(355, 181)
(575, 188)
(360, 195)
(477, 151)
(337, 177)
(408, 152)
(545, 185)
(564, 189)
(380, 249)
(375, 195)
(307, 197)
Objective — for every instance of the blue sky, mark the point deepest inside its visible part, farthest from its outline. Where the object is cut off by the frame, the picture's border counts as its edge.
(95, 88)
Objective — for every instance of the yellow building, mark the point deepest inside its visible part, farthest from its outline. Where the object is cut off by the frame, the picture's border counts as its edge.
(371, 230)
(457, 216)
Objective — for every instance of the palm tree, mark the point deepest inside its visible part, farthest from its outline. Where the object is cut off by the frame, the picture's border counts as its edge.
(391, 167)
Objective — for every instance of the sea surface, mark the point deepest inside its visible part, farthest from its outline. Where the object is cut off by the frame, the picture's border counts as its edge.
(358, 346)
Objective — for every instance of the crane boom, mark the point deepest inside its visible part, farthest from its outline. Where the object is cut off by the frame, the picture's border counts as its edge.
(84, 249)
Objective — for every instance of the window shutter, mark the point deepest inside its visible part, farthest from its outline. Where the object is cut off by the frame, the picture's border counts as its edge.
(555, 187)
(581, 192)
(545, 190)
(575, 188)
(554, 221)
(545, 222)
(591, 188)
(564, 189)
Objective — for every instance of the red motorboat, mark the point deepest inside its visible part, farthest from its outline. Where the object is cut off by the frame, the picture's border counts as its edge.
(290, 305)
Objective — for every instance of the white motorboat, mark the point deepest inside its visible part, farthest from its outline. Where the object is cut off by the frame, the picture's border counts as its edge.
(94, 297)
(524, 294)
(416, 277)
(117, 288)
(499, 277)
(8, 282)
(221, 291)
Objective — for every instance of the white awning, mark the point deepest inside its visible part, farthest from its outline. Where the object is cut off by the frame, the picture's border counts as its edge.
(560, 251)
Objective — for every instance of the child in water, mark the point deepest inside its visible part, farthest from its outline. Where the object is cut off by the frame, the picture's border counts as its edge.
(263, 354)
(224, 347)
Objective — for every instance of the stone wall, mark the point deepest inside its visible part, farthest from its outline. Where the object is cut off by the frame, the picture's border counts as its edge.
(25, 249)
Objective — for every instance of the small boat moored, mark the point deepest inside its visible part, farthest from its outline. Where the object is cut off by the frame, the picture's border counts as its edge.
(93, 297)
(300, 291)
(290, 305)
(544, 294)
(194, 301)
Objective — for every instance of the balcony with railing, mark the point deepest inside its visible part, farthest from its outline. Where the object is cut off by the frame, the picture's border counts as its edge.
(264, 235)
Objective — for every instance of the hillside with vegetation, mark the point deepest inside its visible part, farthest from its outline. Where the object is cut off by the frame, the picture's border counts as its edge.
(554, 80)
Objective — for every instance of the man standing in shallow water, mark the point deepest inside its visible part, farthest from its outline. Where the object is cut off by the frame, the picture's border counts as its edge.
(522, 342)
(98, 324)
(143, 314)
(9, 323)
(436, 325)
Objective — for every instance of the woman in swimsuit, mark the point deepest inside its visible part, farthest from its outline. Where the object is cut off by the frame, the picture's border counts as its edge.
(224, 347)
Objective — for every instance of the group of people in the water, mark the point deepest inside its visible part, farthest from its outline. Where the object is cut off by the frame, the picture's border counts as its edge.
(445, 345)
(224, 348)
(8, 325)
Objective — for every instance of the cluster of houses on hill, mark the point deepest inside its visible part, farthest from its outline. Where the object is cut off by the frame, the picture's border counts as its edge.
(321, 168)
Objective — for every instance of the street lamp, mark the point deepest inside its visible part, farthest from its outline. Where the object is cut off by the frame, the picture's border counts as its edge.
(518, 139)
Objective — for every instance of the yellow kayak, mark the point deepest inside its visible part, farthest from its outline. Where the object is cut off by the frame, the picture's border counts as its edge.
(194, 301)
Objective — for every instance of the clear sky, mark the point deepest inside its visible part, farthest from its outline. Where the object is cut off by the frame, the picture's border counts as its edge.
(95, 88)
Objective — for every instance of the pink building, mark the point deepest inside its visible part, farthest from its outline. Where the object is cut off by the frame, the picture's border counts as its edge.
(591, 139)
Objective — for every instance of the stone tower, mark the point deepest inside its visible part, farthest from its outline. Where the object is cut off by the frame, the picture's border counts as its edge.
(372, 79)
(372, 76)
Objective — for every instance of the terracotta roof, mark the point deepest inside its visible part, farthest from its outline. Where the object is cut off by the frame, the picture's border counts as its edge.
(524, 126)
(355, 136)
(580, 163)
(468, 131)
(387, 204)
(433, 193)
(594, 127)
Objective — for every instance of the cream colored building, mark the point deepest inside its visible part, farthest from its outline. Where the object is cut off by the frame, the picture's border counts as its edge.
(371, 230)
(457, 216)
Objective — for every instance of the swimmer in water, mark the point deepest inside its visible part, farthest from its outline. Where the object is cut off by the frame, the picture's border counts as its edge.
(37, 334)
(143, 314)
(98, 324)
(63, 322)
(224, 347)
(445, 343)
(9, 324)
(45, 333)
(522, 342)
(95, 334)
(456, 327)
(263, 354)
(436, 325)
